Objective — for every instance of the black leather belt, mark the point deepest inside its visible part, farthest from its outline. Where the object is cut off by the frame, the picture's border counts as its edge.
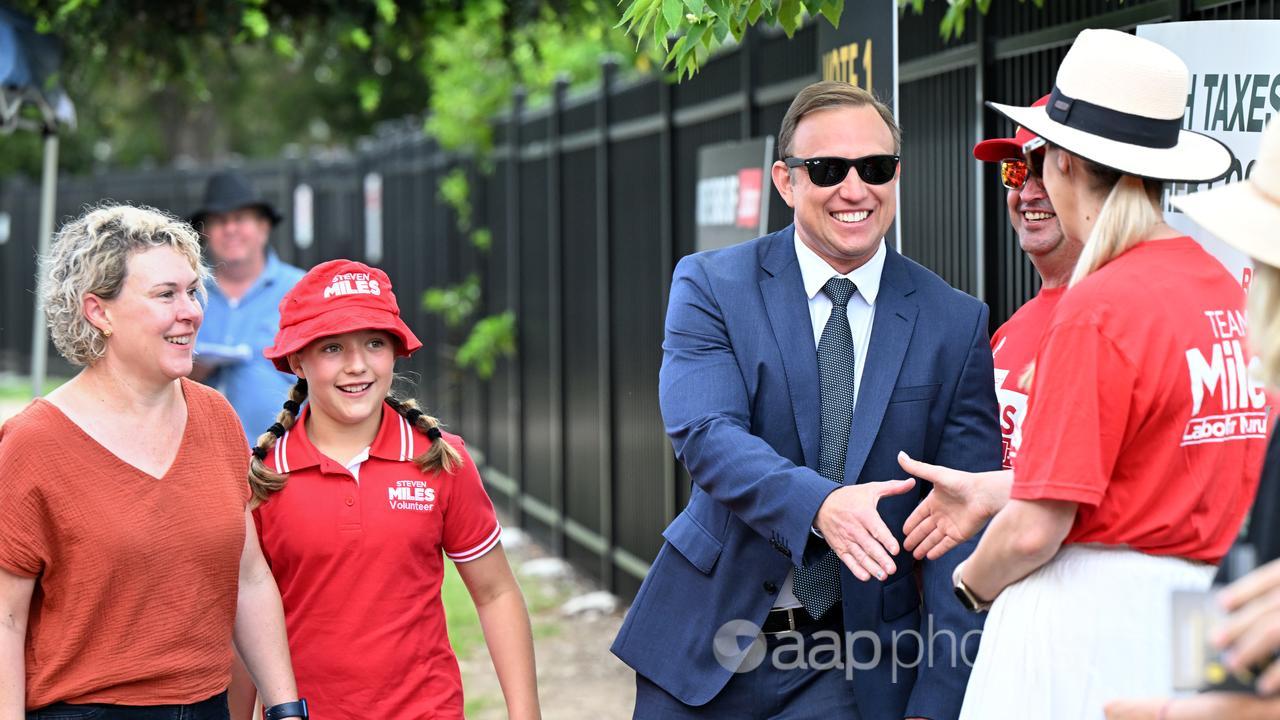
(793, 619)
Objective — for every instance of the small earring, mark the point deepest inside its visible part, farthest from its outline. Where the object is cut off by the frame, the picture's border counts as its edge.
(106, 333)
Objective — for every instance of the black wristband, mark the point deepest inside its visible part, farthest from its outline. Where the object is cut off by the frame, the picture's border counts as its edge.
(297, 708)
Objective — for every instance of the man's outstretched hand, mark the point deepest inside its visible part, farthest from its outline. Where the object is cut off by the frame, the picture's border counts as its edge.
(854, 531)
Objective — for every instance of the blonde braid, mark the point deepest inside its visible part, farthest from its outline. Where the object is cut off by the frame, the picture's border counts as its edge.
(263, 481)
(441, 455)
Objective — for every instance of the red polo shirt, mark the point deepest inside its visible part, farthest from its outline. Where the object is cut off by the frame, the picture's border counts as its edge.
(359, 565)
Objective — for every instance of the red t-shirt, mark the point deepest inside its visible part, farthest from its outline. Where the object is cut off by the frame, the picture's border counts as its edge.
(359, 565)
(1013, 347)
(1142, 409)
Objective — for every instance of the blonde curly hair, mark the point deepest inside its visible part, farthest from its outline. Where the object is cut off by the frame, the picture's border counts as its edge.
(89, 255)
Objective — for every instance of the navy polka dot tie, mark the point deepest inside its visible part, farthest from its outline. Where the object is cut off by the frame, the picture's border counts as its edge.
(817, 586)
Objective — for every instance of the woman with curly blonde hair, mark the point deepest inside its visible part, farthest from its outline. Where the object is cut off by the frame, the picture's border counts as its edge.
(128, 559)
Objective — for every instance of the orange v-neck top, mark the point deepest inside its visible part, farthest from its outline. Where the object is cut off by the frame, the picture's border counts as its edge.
(136, 576)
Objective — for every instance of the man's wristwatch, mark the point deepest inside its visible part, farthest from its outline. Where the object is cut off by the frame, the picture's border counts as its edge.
(297, 708)
(971, 602)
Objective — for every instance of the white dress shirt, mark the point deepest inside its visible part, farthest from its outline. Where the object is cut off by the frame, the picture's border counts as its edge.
(815, 272)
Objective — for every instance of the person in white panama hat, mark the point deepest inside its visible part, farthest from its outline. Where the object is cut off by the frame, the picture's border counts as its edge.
(1140, 455)
(1245, 215)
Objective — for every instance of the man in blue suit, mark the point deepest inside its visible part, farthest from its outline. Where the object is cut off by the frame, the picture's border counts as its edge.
(796, 367)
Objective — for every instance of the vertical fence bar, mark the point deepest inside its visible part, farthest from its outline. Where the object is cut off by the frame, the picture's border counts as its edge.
(555, 311)
(667, 239)
(445, 383)
(747, 80)
(604, 308)
(515, 394)
(978, 176)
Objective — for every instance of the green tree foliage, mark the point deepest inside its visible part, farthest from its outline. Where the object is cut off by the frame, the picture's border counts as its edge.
(701, 26)
(684, 32)
(482, 53)
(455, 304)
(952, 25)
(158, 81)
(492, 339)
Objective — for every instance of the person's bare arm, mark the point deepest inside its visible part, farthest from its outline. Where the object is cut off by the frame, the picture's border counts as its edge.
(15, 605)
(242, 696)
(1025, 535)
(505, 621)
(259, 630)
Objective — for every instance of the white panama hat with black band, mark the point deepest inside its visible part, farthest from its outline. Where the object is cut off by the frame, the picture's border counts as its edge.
(1245, 214)
(1118, 100)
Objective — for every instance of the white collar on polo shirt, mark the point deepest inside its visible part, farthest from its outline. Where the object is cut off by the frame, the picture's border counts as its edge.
(353, 465)
(816, 272)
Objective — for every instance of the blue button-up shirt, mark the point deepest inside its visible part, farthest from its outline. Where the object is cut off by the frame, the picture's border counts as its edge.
(234, 334)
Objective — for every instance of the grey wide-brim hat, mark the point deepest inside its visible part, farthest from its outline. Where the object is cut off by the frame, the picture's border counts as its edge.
(1118, 100)
(227, 191)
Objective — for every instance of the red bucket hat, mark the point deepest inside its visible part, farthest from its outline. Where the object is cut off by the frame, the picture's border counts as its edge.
(336, 297)
(997, 149)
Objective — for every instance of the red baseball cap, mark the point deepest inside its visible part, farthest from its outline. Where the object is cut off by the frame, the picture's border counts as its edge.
(997, 149)
(336, 297)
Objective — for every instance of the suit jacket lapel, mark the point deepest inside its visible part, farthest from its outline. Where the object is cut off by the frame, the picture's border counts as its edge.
(894, 321)
(788, 310)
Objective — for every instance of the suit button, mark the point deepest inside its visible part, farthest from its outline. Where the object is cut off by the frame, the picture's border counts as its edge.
(770, 587)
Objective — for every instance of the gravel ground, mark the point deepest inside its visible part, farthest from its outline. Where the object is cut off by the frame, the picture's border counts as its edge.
(578, 678)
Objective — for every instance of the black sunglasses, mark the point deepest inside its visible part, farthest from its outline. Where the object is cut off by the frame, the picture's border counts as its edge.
(828, 171)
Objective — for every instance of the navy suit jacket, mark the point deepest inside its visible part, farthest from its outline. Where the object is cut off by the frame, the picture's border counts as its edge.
(739, 394)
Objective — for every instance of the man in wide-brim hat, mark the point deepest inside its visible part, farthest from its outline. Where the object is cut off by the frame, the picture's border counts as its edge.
(241, 313)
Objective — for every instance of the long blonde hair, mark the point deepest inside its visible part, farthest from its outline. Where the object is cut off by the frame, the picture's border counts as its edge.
(1127, 216)
(1264, 321)
(265, 482)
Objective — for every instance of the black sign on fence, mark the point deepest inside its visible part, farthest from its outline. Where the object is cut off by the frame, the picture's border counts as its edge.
(863, 51)
(732, 204)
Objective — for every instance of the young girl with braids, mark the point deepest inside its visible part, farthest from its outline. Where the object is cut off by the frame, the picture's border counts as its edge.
(361, 494)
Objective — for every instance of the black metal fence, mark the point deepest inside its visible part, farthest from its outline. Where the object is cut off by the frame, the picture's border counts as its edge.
(589, 204)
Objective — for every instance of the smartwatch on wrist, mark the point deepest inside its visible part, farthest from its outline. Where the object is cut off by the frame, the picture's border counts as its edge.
(297, 708)
(971, 602)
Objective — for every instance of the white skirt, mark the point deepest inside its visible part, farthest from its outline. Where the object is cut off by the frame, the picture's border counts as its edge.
(1092, 625)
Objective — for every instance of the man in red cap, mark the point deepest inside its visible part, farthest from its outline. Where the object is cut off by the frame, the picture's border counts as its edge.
(1014, 345)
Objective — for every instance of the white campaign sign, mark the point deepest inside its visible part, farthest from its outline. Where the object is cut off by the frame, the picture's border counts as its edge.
(1235, 91)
